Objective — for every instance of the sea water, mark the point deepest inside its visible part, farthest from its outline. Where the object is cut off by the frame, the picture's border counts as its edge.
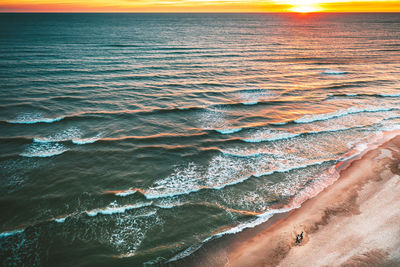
(133, 139)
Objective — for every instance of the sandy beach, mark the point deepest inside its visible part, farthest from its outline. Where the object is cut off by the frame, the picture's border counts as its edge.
(354, 222)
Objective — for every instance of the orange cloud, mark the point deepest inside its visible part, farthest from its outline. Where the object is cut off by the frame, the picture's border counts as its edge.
(196, 5)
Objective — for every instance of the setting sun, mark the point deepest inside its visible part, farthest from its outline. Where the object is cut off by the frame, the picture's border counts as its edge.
(304, 9)
(304, 6)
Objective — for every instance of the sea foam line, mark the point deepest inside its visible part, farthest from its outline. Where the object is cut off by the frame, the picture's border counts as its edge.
(339, 113)
(292, 135)
(44, 150)
(34, 118)
(89, 140)
(284, 135)
(229, 131)
(150, 196)
(333, 72)
(72, 134)
(113, 209)
(10, 233)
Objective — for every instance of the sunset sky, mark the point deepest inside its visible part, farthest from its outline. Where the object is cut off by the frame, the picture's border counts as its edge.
(198, 6)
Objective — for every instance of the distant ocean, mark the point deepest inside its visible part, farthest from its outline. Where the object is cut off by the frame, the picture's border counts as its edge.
(133, 139)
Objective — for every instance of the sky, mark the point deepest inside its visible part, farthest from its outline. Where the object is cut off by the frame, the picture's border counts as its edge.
(199, 6)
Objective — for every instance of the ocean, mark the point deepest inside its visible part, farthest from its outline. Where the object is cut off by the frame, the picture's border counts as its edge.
(133, 139)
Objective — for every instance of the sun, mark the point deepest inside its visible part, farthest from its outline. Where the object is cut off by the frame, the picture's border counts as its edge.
(304, 6)
(305, 9)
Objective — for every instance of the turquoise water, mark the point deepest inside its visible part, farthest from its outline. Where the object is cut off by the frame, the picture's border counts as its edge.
(133, 139)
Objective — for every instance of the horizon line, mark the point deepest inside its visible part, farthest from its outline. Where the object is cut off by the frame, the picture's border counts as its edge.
(184, 12)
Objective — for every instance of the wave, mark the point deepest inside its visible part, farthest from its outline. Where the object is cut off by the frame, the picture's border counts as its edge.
(390, 95)
(339, 113)
(65, 135)
(10, 233)
(367, 95)
(114, 209)
(43, 150)
(278, 136)
(229, 131)
(281, 135)
(288, 169)
(72, 134)
(250, 103)
(61, 220)
(254, 96)
(31, 118)
(333, 72)
(89, 140)
(167, 188)
(243, 155)
(124, 193)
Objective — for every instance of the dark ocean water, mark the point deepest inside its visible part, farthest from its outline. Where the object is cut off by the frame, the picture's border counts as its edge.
(132, 139)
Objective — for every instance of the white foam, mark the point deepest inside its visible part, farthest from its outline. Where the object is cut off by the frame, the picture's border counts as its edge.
(333, 72)
(213, 119)
(125, 193)
(65, 135)
(31, 118)
(340, 113)
(243, 154)
(61, 220)
(10, 233)
(253, 97)
(113, 209)
(90, 140)
(221, 171)
(390, 95)
(229, 131)
(44, 150)
(291, 168)
(250, 103)
(269, 135)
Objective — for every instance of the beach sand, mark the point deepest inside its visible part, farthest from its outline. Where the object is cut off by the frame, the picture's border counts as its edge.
(354, 222)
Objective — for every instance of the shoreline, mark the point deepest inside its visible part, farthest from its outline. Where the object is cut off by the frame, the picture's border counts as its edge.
(365, 196)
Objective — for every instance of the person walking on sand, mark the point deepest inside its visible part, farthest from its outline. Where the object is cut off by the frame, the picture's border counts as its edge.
(298, 239)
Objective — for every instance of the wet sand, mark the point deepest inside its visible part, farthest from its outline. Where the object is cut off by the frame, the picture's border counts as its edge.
(354, 222)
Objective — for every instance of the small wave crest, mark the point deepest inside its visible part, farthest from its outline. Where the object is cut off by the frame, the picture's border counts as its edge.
(269, 135)
(333, 72)
(11, 233)
(339, 113)
(72, 134)
(61, 220)
(43, 150)
(229, 131)
(113, 208)
(31, 118)
(89, 140)
(65, 135)
(223, 171)
(253, 96)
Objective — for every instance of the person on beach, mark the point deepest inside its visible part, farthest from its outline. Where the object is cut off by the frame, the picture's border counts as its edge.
(298, 239)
